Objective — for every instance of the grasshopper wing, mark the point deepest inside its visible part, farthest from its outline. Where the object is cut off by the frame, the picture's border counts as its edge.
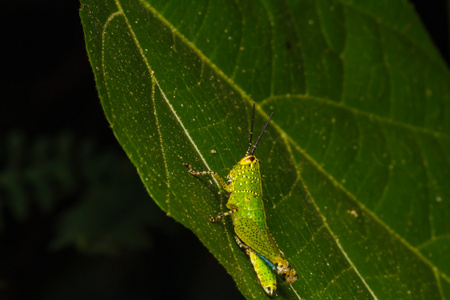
(257, 239)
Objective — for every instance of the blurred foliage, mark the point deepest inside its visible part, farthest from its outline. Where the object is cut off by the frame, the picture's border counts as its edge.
(102, 207)
(94, 233)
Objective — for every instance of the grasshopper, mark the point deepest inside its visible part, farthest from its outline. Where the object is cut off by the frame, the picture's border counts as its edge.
(249, 217)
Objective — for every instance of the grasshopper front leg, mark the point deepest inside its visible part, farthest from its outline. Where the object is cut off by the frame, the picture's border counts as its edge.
(222, 183)
(216, 176)
(214, 219)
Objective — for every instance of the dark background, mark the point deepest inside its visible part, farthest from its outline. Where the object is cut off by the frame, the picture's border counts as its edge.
(62, 171)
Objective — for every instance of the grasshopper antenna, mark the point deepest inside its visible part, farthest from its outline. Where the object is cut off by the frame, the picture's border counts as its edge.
(251, 131)
(262, 131)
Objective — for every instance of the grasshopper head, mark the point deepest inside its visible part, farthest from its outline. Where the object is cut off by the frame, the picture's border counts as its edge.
(248, 159)
(248, 162)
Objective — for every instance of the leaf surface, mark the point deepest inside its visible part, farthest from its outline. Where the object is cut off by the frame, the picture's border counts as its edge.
(355, 162)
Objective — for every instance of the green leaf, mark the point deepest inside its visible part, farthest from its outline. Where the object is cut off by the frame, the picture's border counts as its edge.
(356, 160)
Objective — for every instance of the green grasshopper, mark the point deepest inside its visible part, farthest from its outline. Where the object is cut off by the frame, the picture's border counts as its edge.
(249, 217)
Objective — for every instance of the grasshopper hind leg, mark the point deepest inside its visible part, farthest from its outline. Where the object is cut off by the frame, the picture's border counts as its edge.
(264, 273)
(265, 246)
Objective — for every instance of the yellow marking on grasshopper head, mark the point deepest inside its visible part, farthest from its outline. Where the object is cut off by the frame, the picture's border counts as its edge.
(248, 159)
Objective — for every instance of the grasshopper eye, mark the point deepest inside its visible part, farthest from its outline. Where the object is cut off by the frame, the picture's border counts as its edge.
(247, 159)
